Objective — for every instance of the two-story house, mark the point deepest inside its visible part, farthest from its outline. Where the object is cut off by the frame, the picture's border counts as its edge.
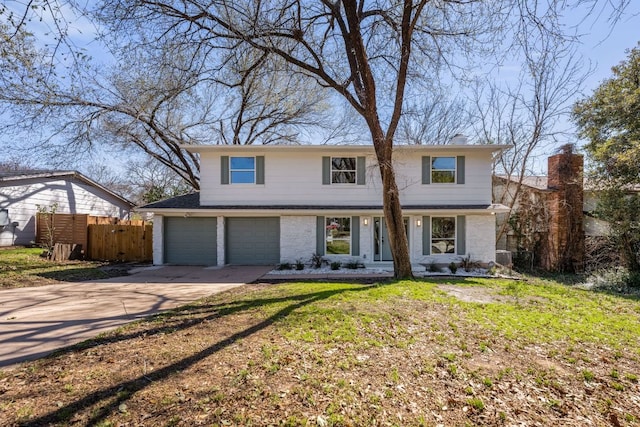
(282, 203)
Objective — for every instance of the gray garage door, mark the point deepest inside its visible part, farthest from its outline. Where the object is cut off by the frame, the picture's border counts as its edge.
(190, 241)
(253, 241)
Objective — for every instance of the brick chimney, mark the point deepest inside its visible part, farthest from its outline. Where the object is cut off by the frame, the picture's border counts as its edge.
(564, 249)
(564, 169)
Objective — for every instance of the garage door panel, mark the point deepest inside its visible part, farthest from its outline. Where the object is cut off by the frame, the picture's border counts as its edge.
(253, 240)
(190, 241)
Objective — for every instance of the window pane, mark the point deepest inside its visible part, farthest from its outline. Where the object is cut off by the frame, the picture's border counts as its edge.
(338, 236)
(343, 170)
(241, 177)
(242, 163)
(343, 177)
(443, 233)
(442, 246)
(443, 170)
(439, 177)
(443, 163)
(4, 217)
(343, 163)
(443, 228)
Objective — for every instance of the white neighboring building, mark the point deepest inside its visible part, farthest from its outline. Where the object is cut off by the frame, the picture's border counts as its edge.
(22, 192)
(282, 203)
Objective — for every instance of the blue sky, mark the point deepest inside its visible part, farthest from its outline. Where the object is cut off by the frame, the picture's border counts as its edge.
(606, 46)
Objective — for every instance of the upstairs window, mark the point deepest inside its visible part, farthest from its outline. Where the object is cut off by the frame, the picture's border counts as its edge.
(443, 170)
(343, 170)
(443, 235)
(242, 170)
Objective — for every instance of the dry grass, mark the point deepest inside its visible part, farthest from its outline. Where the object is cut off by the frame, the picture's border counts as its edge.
(25, 267)
(405, 354)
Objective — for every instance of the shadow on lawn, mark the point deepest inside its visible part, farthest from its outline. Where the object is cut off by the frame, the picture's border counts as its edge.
(104, 398)
(81, 274)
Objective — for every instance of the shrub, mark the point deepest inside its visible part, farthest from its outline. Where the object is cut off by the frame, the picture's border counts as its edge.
(616, 279)
(354, 265)
(433, 267)
(335, 265)
(284, 266)
(467, 264)
(299, 265)
(317, 260)
(453, 267)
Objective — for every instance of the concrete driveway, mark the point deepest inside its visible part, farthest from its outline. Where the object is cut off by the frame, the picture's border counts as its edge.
(36, 321)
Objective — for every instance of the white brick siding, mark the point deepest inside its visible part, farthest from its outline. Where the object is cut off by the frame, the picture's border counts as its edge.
(158, 240)
(481, 236)
(297, 238)
(220, 235)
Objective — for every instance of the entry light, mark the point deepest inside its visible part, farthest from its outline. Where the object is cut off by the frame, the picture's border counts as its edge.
(419, 222)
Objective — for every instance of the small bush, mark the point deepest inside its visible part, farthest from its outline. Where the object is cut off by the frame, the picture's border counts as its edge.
(354, 265)
(317, 260)
(299, 265)
(616, 279)
(335, 265)
(284, 266)
(433, 268)
(453, 267)
(468, 265)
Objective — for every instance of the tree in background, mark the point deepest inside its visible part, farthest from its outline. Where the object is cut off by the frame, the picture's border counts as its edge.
(154, 100)
(621, 210)
(525, 114)
(610, 122)
(15, 164)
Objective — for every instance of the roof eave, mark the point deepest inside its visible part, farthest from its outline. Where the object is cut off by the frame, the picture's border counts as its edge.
(351, 147)
(371, 210)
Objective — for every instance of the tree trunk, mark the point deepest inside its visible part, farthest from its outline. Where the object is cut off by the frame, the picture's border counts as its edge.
(395, 225)
(391, 205)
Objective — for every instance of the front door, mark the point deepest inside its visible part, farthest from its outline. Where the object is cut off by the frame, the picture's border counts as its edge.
(382, 249)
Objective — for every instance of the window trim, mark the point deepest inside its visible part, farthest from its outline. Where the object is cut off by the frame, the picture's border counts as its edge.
(332, 170)
(454, 239)
(231, 170)
(454, 170)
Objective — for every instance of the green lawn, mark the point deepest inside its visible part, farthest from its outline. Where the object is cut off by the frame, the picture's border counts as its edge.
(432, 352)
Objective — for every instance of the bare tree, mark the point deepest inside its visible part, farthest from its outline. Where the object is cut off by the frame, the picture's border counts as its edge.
(434, 118)
(15, 164)
(526, 113)
(156, 100)
(150, 181)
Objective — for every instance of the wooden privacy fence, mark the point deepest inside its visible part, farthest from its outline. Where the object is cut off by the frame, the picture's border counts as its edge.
(120, 242)
(102, 238)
